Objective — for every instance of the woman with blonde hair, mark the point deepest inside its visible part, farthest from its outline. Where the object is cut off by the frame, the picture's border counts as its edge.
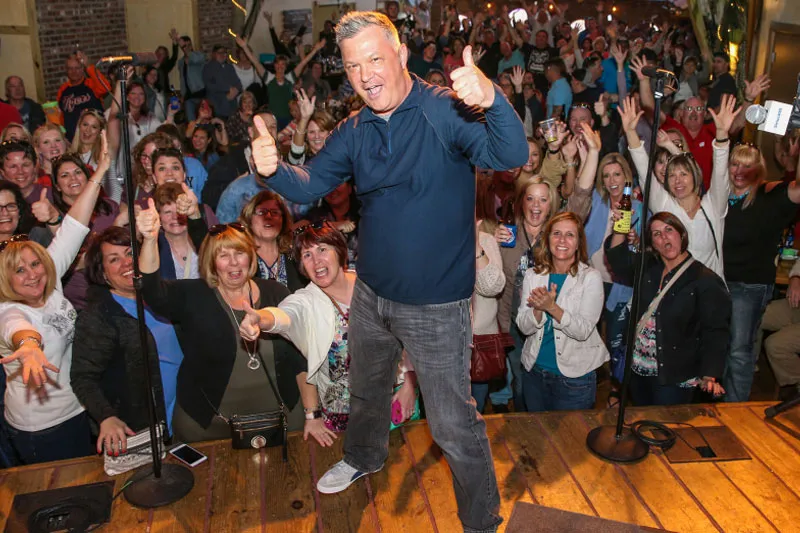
(221, 375)
(15, 131)
(45, 421)
(563, 300)
(50, 144)
(86, 141)
(758, 212)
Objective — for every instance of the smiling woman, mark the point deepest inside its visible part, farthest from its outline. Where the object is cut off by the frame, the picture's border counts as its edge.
(45, 420)
(221, 375)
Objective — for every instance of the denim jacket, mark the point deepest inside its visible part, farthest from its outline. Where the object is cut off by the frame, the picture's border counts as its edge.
(194, 73)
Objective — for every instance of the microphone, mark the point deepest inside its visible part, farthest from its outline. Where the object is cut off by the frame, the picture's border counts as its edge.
(135, 59)
(653, 72)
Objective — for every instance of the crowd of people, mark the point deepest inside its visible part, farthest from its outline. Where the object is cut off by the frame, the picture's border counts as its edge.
(284, 224)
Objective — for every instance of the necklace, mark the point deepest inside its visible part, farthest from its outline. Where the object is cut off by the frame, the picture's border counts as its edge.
(253, 363)
(733, 198)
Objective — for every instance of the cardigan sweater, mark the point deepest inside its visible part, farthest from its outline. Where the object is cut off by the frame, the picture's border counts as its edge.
(209, 342)
(108, 372)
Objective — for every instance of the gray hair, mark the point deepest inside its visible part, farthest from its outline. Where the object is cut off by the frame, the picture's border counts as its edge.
(356, 21)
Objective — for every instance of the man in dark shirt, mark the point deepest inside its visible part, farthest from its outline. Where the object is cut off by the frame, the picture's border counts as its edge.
(538, 55)
(84, 89)
(31, 112)
(411, 153)
(723, 82)
(422, 64)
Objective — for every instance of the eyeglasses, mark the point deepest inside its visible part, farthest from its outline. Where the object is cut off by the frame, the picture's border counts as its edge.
(315, 225)
(698, 108)
(10, 208)
(221, 228)
(271, 212)
(16, 238)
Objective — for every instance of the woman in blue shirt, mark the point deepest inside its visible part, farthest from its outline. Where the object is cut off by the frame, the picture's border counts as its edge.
(107, 372)
(563, 299)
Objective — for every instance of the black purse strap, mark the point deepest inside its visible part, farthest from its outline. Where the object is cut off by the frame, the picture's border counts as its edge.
(713, 234)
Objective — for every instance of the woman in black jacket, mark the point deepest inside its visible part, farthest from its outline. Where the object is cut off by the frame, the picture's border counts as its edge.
(222, 374)
(108, 373)
(684, 322)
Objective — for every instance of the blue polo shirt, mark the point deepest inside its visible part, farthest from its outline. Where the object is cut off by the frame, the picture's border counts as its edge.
(414, 175)
(559, 94)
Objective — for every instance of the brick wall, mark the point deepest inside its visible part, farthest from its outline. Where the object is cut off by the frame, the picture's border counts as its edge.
(214, 19)
(98, 26)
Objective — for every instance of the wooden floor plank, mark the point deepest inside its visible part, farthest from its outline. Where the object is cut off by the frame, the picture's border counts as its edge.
(435, 477)
(236, 495)
(663, 493)
(399, 500)
(511, 482)
(773, 448)
(289, 492)
(726, 503)
(608, 491)
(545, 473)
(188, 515)
(349, 510)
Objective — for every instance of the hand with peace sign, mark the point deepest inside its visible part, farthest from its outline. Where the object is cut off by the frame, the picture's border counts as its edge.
(265, 152)
(472, 85)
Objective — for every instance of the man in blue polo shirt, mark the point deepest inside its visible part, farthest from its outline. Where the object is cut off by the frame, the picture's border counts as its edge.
(411, 153)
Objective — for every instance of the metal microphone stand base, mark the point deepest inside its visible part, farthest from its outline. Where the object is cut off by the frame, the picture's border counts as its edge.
(148, 491)
(604, 442)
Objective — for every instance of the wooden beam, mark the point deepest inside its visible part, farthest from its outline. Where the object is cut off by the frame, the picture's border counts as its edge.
(36, 50)
(15, 30)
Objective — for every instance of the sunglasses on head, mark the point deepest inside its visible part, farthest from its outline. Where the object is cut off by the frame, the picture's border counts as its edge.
(582, 105)
(315, 225)
(16, 238)
(221, 228)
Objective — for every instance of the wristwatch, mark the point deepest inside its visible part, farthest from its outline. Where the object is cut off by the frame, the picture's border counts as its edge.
(313, 415)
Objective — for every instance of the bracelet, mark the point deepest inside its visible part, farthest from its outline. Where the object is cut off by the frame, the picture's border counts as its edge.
(57, 221)
(314, 415)
(749, 101)
(310, 409)
(482, 254)
(301, 132)
(553, 151)
(26, 339)
(573, 164)
(721, 141)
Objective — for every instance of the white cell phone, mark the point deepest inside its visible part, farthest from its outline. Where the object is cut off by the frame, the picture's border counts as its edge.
(188, 455)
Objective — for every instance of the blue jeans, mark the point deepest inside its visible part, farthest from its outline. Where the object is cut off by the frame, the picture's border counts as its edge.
(479, 391)
(437, 338)
(67, 440)
(548, 391)
(749, 302)
(646, 390)
(513, 388)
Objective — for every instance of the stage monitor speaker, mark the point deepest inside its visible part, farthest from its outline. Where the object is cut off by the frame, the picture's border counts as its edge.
(79, 508)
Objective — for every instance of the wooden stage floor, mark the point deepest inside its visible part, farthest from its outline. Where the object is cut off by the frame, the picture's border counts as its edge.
(539, 458)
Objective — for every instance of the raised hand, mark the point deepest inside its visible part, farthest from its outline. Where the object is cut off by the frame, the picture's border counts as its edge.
(570, 149)
(241, 43)
(305, 104)
(187, 204)
(265, 152)
(42, 209)
(637, 64)
(34, 363)
(105, 157)
(250, 327)
(268, 16)
(148, 221)
(601, 105)
(173, 34)
(753, 89)
(561, 134)
(517, 75)
(727, 114)
(618, 54)
(470, 84)
(627, 112)
(591, 137)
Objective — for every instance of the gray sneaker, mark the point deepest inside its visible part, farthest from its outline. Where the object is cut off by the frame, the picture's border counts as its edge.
(339, 477)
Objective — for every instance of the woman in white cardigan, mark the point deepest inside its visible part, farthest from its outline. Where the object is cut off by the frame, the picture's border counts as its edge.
(681, 194)
(564, 299)
(315, 318)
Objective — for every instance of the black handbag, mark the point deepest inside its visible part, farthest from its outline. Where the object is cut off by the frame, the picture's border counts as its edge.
(259, 430)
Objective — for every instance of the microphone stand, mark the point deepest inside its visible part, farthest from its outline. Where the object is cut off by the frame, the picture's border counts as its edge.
(619, 444)
(157, 484)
